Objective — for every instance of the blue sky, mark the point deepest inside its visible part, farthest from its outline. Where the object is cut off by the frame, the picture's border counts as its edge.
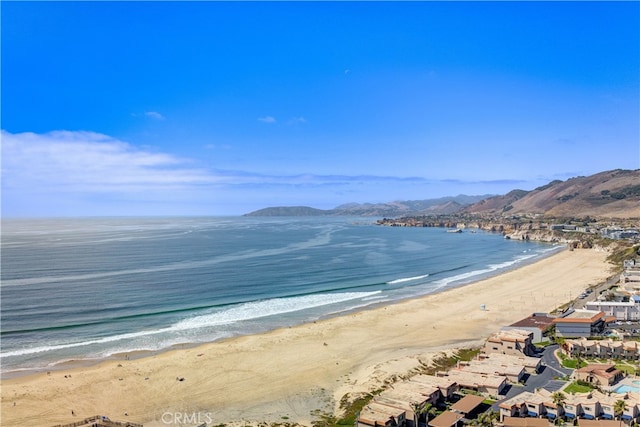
(221, 108)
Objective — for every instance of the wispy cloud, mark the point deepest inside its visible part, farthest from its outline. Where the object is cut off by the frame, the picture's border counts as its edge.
(92, 169)
(154, 115)
(89, 161)
(296, 120)
(77, 160)
(267, 119)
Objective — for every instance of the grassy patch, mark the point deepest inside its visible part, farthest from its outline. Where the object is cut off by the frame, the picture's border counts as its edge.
(445, 362)
(574, 387)
(350, 410)
(573, 363)
(626, 368)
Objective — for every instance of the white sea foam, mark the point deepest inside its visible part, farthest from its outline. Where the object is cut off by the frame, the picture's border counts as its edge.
(270, 307)
(490, 269)
(407, 279)
(237, 313)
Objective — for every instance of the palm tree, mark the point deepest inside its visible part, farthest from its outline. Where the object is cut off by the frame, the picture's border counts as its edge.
(618, 409)
(486, 419)
(558, 399)
(422, 408)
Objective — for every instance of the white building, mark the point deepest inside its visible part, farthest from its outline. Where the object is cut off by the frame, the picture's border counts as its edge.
(621, 310)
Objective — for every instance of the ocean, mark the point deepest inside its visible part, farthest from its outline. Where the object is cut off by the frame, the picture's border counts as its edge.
(84, 290)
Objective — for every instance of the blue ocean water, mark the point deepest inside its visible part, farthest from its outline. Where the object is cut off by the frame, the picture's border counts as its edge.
(88, 289)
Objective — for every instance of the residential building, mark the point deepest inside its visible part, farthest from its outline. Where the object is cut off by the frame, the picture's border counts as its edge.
(580, 323)
(512, 341)
(491, 385)
(600, 374)
(512, 372)
(538, 324)
(530, 364)
(379, 415)
(621, 310)
(515, 406)
(468, 405)
(446, 386)
(601, 349)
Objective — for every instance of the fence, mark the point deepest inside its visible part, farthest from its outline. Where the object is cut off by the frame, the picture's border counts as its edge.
(99, 421)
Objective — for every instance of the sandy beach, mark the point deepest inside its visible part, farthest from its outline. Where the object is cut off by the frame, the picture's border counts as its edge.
(285, 374)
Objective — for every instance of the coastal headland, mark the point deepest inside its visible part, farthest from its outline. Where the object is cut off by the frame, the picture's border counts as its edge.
(288, 373)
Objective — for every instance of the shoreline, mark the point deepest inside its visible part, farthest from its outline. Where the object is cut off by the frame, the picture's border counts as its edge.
(85, 362)
(67, 364)
(289, 372)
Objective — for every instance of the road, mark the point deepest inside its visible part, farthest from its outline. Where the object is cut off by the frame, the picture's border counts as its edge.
(549, 377)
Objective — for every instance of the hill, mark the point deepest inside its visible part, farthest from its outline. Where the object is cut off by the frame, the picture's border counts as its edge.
(612, 194)
(440, 206)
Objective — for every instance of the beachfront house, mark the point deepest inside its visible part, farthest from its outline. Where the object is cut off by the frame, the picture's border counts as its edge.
(380, 415)
(511, 341)
(530, 364)
(580, 323)
(538, 324)
(512, 372)
(446, 385)
(398, 403)
(488, 385)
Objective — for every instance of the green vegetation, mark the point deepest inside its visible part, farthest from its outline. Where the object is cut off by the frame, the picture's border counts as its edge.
(570, 363)
(578, 387)
(626, 368)
(351, 406)
(445, 362)
(622, 252)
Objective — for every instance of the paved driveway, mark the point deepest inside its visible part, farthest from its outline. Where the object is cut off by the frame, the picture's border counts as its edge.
(547, 378)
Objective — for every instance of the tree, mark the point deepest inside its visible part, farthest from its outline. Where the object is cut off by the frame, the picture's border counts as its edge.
(425, 408)
(486, 419)
(618, 409)
(558, 399)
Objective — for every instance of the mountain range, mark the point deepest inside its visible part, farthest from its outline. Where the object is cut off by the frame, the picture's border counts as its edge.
(614, 194)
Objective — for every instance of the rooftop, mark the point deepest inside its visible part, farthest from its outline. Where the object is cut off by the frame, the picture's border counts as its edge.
(539, 321)
(526, 422)
(467, 404)
(580, 316)
(446, 419)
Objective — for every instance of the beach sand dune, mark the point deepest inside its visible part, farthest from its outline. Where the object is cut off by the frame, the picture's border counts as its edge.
(285, 374)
